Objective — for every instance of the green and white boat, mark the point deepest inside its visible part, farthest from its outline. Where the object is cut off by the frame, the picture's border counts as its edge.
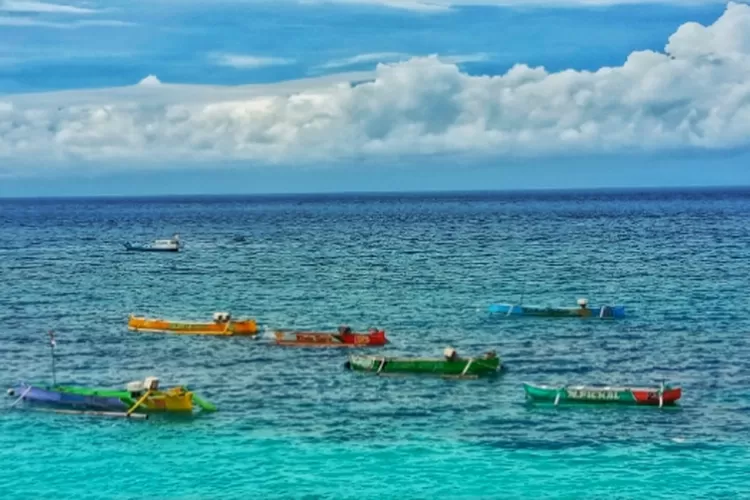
(655, 396)
(450, 366)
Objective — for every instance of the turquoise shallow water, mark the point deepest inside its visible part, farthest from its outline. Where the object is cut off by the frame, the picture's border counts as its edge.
(293, 423)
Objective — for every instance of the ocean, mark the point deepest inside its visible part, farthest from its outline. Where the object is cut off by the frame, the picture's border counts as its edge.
(293, 423)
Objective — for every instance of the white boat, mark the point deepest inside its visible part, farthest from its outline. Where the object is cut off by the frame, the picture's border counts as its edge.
(171, 245)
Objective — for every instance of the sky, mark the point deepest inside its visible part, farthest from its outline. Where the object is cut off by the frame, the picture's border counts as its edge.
(256, 96)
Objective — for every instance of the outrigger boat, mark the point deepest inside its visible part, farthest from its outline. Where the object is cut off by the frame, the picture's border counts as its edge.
(450, 366)
(344, 338)
(582, 311)
(171, 245)
(664, 395)
(222, 324)
(137, 400)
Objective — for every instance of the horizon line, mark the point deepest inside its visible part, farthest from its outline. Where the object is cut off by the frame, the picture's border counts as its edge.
(611, 189)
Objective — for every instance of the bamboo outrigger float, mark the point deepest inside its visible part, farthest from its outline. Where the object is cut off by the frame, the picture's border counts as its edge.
(450, 366)
(344, 338)
(664, 395)
(222, 324)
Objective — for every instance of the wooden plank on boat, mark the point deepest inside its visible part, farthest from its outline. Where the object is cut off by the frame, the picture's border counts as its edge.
(111, 414)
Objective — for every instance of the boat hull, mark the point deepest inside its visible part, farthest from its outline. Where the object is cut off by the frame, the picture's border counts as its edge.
(138, 248)
(601, 312)
(141, 324)
(604, 395)
(320, 339)
(58, 399)
(461, 368)
(173, 400)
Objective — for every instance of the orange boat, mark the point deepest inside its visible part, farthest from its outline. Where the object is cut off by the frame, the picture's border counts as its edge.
(344, 338)
(223, 324)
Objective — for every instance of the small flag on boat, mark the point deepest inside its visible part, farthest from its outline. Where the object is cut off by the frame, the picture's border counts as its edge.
(52, 339)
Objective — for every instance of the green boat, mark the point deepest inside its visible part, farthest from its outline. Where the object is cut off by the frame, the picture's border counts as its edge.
(654, 396)
(450, 366)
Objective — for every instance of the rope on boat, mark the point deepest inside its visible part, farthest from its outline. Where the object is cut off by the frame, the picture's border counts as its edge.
(557, 397)
(20, 398)
(510, 310)
(382, 364)
(601, 312)
(138, 403)
(661, 395)
(466, 368)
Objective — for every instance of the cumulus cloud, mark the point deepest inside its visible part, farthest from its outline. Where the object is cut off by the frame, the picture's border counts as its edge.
(695, 95)
(150, 80)
(244, 61)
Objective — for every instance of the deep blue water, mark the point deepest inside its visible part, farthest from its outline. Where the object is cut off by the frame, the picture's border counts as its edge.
(294, 423)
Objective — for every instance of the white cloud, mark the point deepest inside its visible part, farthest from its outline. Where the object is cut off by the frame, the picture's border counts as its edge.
(696, 95)
(244, 61)
(23, 22)
(114, 23)
(384, 57)
(150, 80)
(440, 6)
(42, 8)
(412, 5)
(33, 22)
(374, 57)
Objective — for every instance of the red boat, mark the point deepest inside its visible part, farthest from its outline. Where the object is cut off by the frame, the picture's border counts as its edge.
(344, 338)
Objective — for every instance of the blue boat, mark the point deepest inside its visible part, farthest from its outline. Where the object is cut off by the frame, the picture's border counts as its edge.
(582, 311)
(171, 245)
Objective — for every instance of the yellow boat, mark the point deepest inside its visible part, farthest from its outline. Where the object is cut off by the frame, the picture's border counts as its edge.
(223, 324)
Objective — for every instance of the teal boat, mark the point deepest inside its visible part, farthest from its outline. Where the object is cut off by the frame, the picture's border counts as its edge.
(655, 396)
(582, 311)
(450, 366)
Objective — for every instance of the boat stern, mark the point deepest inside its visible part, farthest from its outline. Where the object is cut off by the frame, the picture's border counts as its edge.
(245, 327)
(360, 363)
(540, 393)
(174, 400)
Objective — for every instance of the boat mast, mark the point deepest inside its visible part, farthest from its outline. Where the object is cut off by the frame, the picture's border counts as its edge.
(52, 345)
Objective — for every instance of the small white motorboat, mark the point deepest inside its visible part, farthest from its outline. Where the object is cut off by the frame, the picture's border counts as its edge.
(171, 245)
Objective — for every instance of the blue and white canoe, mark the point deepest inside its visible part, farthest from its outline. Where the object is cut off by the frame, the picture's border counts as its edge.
(57, 400)
(50, 397)
(171, 245)
(582, 311)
